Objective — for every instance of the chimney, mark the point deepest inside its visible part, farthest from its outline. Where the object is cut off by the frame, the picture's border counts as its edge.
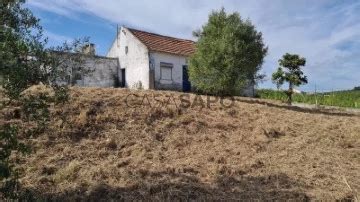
(89, 49)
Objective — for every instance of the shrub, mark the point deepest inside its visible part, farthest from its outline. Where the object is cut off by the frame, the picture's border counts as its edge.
(229, 54)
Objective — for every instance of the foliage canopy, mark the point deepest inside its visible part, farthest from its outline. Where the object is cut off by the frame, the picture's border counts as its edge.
(24, 62)
(290, 71)
(229, 55)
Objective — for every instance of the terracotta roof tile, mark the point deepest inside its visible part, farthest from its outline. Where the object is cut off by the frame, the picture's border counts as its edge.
(166, 44)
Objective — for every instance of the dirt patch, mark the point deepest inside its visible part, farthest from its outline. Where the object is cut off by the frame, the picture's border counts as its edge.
(99, 148)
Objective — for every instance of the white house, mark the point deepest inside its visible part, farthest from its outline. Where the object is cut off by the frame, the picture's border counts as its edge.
(139, 59)
(152, 61)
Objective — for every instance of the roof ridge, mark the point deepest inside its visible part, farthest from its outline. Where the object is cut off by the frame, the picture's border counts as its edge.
(160, 35)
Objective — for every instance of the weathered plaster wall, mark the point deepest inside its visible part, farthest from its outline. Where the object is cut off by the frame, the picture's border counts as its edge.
(177, 71)
(88, 70)
(104, 72)
(249, 90)
(135, 61)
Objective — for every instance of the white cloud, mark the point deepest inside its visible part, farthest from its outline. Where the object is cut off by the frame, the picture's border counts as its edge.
(59, 7)
(325, 32)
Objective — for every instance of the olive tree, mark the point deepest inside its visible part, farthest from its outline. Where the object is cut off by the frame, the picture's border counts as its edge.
(24, 61)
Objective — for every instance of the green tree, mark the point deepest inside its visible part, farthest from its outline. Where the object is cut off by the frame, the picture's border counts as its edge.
(290, 71)
(20, 42)
(229, 54)
(25, 61)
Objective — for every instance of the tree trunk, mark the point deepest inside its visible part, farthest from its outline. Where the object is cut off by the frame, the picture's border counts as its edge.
(290, 93)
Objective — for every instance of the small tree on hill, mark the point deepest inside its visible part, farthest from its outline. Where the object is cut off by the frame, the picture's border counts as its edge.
(290, 71)
(229, 54)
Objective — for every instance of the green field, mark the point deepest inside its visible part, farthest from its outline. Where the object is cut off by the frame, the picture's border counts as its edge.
(349, 98)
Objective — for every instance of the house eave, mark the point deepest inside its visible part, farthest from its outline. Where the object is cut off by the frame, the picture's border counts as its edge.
(170, 53)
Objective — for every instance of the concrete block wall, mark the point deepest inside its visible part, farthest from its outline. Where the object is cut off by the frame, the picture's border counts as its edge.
(249, 90)
(103, 72)
(93, 71)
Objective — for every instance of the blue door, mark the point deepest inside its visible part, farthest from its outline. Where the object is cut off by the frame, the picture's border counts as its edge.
(186, 82)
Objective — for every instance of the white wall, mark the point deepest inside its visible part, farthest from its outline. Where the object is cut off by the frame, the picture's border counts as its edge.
(177, 71)
(136, 61)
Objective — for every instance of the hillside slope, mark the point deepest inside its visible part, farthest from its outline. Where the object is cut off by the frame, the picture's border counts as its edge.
(100, 147)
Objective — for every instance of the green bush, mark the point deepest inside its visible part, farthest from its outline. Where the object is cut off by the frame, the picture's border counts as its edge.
(23, 58)
(8, 175)
(229, 54)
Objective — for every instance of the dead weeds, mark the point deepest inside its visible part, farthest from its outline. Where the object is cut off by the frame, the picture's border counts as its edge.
(98, 148)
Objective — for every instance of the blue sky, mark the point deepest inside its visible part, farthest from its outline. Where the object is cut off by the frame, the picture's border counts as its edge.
(326, 32)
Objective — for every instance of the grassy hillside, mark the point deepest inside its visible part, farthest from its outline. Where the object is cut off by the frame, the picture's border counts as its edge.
(349, 98)
(101, 147)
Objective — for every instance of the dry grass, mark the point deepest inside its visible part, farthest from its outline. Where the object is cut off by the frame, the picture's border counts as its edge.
(97, 148)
